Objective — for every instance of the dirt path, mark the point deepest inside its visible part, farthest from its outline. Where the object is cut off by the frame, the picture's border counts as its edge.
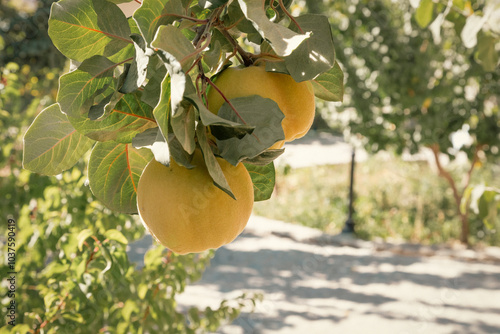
(311, 288)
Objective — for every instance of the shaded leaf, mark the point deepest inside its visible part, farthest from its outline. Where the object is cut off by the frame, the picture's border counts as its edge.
(152, 91)
(283, 40)
(81, 29)
(171, 40)
(486, 53)
(316, 54)
(213, 166)
(183, 126)
(329, 86)
(114, 172)
(267, 123)
(265, 157)
(51, 144)
(263, 179)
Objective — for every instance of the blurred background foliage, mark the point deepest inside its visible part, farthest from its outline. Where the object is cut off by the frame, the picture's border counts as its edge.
(403, 92)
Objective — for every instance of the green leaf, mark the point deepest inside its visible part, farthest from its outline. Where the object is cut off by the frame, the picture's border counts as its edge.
(114, 172)
(155, 13)
(122, 123)
(183, 126)
(135, 74)
(154, 140)
(82, 236)
(489, 207)
(283, 40)
(213, 166)
(81, 29)
(329, 86)
(152, 91)
(267, 123)
(424, 13)
(486, 53)
(163, 109)
(263, 179)
(177, 80)
(265, 157)
(51, 144)
(116, 235)
(171, 39)
(92, 83)
(223, 127)
(316, 54)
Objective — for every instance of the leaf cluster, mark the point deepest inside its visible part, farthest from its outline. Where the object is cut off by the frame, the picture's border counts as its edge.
(137, 89)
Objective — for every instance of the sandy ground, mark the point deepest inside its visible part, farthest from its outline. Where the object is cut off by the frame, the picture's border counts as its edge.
(315, 283)
(312, 288)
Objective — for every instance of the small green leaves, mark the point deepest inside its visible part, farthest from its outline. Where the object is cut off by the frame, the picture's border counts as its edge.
(51, 144)
(329, 86)
(80, 30)
(263, 179)
(283, 40)
(114, 172)
(267, 123)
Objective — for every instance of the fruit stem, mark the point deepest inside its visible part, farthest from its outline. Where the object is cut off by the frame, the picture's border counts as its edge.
(290, 16)
(247, 60)
(211, 83)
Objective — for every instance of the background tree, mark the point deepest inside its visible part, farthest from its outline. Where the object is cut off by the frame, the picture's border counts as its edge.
(409, 87)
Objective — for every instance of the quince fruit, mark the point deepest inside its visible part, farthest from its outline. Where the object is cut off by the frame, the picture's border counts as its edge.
(186, 212)
(295, 99)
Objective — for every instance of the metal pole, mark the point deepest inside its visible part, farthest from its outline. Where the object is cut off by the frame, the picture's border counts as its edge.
(349, 224)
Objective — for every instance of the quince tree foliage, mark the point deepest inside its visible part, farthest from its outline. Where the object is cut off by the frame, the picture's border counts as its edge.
(420, 73)
(138, 88)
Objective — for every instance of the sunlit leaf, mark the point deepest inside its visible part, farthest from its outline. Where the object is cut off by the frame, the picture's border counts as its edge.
(316, 54)
(137, 71)
(116, 235)
(114, 172)
(171, 39)
(81, 29)
(424, 13)
(155, 13)
(89, 85)
(51, 144)
(283, 40)
(123, 122)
